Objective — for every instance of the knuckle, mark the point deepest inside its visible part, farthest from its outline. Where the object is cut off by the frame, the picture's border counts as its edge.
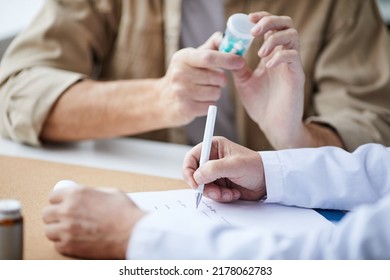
(74, 228)
(176, 71)
(267, 20)
(220, 79)
(179, 92)
(220, 140)
(200, 176)
(271, 39)
(65, 211)
(215, 94)
(288, 19)
(66, 228)
(293, 32)
(70, 229)
(177, 56)
(212, 169)
(66, 238)
(77, 193)
(182, 55)
(208, 58)
(264, 13)
(176, 75)
(279, 54)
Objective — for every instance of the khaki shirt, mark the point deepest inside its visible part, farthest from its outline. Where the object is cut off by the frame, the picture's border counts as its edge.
(345, 52)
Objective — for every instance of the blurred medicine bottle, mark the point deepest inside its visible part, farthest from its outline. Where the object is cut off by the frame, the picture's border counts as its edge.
(237, 37)
(11, 230)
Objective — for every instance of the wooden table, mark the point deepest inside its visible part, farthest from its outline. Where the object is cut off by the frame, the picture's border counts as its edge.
(31, 180)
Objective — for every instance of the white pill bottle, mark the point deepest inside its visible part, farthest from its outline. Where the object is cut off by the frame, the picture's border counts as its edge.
(11, 230)
(237, 37)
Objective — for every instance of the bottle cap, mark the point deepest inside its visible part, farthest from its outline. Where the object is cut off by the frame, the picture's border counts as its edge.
(240, 25)
(64, 184)
(9, 209)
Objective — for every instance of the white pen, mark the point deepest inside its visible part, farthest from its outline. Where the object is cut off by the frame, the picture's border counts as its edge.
(206, 147)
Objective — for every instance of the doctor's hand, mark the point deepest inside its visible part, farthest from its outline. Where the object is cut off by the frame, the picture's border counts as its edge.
(233, 172)
(194, 81)
(273, 93)
(89, 223)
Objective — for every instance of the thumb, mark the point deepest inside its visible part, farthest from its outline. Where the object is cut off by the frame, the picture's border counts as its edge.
(213, 170)
(213, 42)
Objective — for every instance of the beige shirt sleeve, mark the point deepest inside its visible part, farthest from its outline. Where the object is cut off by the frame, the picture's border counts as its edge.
(65, 43)
(353, 76)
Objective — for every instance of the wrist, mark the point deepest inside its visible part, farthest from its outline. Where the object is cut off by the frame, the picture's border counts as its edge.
(306, 135)
(169, 106)
(323, 135)
(282, 137)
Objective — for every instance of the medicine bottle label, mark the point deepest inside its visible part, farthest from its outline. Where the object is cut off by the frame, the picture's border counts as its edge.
(237, 38)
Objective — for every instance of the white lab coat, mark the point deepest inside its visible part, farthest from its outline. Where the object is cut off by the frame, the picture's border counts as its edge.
(327, 177)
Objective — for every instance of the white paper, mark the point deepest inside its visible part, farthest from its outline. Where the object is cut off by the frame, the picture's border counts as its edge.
(289, 220)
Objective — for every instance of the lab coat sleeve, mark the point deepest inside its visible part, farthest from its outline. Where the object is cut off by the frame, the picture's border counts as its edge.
(327, 177)
(362, 234)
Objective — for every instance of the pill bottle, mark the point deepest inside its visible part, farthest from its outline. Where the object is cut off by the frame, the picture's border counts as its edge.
(11, 230)
(237, 37)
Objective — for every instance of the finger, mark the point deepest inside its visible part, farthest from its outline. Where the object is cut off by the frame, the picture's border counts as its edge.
(190, 164)
(208, 94)
(213, 42)
(269, 33)
(203, 58)
(50, 214)
(215, 169)
(287, 38)
(289, 57)
(268, 23)
(212, 77)
(220, 193)
(202, 76)
(192, 158)
(255, 17)
(53, 231)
